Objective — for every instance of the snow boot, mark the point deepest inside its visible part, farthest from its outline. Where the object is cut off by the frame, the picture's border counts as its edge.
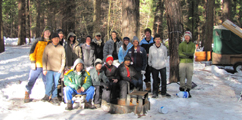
(26, 98)
(55, 101)
(181, 89)
(88, 104)
(148, 87)
(166, 95)
(45, 98)
(69, 105)
(121, 102)
(188, 90)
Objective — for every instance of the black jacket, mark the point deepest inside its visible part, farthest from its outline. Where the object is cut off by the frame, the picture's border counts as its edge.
(122, 72)
(110, 71)
(98, 50)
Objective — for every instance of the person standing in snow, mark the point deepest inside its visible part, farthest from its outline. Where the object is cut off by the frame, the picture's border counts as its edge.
(186, 51)
(157, 60)
(146, 43)
(98, 44)
(111, 47)
(88, 55)
(78, 81)
(100, 82)
(139, 58)
(35, 56)
(123, 50)
(54, 59)
(72, 49)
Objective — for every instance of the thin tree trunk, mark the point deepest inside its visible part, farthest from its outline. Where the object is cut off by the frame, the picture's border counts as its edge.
(158, 21)
(97, 15)
(37, 30)
(209, 25)
(28, 22)
(2, 48)
(174, 26)
(109, 10)
(22, 21)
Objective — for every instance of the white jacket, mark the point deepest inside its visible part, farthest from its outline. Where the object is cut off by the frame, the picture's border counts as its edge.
(157, 57)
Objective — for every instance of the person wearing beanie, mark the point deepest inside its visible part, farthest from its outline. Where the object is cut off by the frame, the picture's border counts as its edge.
(72, 49)
(123, 50)
(157, 60)
(35, 56)
(186, 51)
(100, 82)
(54, 58)
(78, 81)
(111, 72)
(127, 73)
(139, 59)
(146, 43)
(61, 35)
(88, 53)
(98, 44)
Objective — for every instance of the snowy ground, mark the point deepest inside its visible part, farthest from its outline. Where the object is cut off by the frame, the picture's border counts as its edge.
(215, 97)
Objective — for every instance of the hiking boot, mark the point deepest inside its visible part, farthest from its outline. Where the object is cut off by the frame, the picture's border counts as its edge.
(181, 89)
(45, 98)
(154, 96)
(89, 105)
(26, 98)
(166, 95)
(55, 101)
(188, 90)
(69, 105)
(148, 87)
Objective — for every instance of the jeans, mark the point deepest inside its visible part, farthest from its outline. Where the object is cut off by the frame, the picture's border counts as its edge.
(51, 83)
(33, 76)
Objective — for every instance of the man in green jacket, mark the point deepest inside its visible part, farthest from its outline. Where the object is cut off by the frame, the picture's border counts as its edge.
(78, 81)
(186, 53)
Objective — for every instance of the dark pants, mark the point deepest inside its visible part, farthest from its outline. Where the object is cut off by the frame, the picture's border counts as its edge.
(147, 73)
(113, 88)
(100, 91)
(156, 80)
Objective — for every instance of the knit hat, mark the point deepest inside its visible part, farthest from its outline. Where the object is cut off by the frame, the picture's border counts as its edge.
(60, 31)
(135, 38)
(54, 35)
(47, 28)
(188, 33)
(127, 58)
(98, 61)
(126, 38)
(77, 61)
(98, 33)
(109, 57)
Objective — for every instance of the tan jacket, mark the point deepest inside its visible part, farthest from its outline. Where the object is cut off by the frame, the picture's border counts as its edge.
(54, 58)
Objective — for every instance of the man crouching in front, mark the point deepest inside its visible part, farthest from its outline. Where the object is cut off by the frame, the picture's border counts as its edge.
(78, 81)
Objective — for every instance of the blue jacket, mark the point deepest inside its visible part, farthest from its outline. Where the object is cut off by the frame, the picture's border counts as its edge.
(122, 53)
(146, 45)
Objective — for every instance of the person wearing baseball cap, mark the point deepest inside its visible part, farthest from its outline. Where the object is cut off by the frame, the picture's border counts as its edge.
(186, 51)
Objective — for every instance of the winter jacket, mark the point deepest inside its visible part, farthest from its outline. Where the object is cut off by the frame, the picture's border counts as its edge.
(88, 55)
(157, 57)
(122, 53)
(138, 57)
(54, 58)
(109, 48)
(72, 51)
(37, 50)
(146, 45)
(72, 79)
(98, 49)
(186, 52)
(98, 79)
(110, 71)
(122, 72)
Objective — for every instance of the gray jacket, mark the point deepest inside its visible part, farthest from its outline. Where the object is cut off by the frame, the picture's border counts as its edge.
(109, 48)
(88, 55)
(97, 79)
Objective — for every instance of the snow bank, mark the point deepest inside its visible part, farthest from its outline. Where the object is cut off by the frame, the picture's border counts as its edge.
(14, 41)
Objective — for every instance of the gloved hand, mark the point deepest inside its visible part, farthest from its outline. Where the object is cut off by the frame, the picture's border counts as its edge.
(33, 66)
(142, 72)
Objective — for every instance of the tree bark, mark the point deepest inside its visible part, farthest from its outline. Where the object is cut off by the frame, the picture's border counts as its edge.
(158, 20)
(2, 48)
(21, 24)
(109, 15)
(68, 22)
(28, 21)
(174, 26)
(37, 29)
(97, 15)
(209, 25)
(226, 9)
(130, 18)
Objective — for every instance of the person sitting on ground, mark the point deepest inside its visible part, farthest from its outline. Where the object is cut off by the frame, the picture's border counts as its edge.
(111, 72)
(78, 81)
(100, 82)
(127, 73)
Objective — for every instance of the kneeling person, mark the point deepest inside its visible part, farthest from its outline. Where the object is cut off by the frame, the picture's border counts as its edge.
(78, 81)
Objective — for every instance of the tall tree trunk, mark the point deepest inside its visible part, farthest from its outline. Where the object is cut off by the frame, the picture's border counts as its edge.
(97, 15)
(209, 25)
(28, 21)
(226, 9)
(109, 16)
(2, 48)
(21, 24)
(68, 22)
(130, 18)
(158, 21)
(38, 9)
(174, 26)
(49, 13)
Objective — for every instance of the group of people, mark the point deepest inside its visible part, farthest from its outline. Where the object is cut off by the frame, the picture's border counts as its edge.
(104, 71)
